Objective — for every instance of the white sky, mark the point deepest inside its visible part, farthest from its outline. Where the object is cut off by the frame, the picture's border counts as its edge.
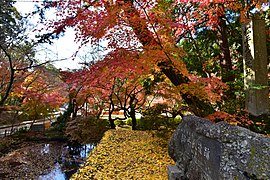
(64, 47)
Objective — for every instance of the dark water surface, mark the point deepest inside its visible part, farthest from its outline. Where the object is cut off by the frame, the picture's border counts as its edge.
(69, 161)
(44, 161)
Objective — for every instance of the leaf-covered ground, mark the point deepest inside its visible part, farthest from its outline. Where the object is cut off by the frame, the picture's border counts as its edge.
(30, 162)
(126, 154)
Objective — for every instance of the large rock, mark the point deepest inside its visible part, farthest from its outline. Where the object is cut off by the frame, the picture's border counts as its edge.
(204, 150)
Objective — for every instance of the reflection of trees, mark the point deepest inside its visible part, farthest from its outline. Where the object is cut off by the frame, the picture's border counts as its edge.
(43, 161)
(31, 161)
(72, 157)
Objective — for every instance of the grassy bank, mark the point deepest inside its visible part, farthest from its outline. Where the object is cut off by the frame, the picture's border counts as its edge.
(126, 154)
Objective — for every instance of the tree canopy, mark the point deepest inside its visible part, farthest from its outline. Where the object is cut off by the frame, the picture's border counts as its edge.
(197, 45)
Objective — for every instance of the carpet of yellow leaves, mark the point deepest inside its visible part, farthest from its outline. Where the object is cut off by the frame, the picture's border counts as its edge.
(126, 154)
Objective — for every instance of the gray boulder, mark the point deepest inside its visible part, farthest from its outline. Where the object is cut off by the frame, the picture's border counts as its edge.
(205, 150)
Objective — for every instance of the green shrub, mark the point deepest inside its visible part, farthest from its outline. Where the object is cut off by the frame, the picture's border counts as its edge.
(119, 122)
(153, 119)
(261, 124)
(156, 122)
(20, 133)
(140, 123)
(86, 129)
(129, 122)
(61, 121)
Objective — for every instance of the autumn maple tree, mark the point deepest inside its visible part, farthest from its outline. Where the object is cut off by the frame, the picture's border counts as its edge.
(40, 93)
(127, 25)
(14, 53)
(108, 84)
(17, 55)
(130, 96)
(152, 29)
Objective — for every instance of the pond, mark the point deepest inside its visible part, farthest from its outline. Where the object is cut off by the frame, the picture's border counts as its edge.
(68, 163)
(44, 161)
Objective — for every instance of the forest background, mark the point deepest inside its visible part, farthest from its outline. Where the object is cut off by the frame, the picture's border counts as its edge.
(185, 56)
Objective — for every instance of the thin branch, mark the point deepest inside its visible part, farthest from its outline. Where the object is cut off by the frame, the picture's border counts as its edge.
(11, 80)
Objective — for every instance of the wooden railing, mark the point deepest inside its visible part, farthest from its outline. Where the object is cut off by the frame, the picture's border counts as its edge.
(10, 129)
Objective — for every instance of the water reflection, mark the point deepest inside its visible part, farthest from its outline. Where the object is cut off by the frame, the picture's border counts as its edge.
(69, 161)
(56, 173)
(45, 149)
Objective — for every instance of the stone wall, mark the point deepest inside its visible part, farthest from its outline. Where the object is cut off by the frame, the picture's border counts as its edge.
(204, 150)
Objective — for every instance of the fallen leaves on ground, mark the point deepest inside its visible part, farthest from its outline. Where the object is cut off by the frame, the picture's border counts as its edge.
(29, 162)
(126, 154)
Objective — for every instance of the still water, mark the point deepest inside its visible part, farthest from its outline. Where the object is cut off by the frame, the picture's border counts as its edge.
(44, 161)
(69, 161)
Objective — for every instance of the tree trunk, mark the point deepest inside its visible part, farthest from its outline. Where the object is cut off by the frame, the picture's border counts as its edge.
(99, 114)
(86, 109)
(199, 107)
(111, 121)
(75, 108)
(133, 118)
(225, 57)
(11, 79)
(111, 109)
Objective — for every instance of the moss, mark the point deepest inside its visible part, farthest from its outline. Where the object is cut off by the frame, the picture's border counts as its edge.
(252, 156)
(252, 152)
(260, 167)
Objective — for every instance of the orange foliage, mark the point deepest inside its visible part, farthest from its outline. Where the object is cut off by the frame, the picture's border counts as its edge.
(242, 120)
(41, 87)
(141, 36)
